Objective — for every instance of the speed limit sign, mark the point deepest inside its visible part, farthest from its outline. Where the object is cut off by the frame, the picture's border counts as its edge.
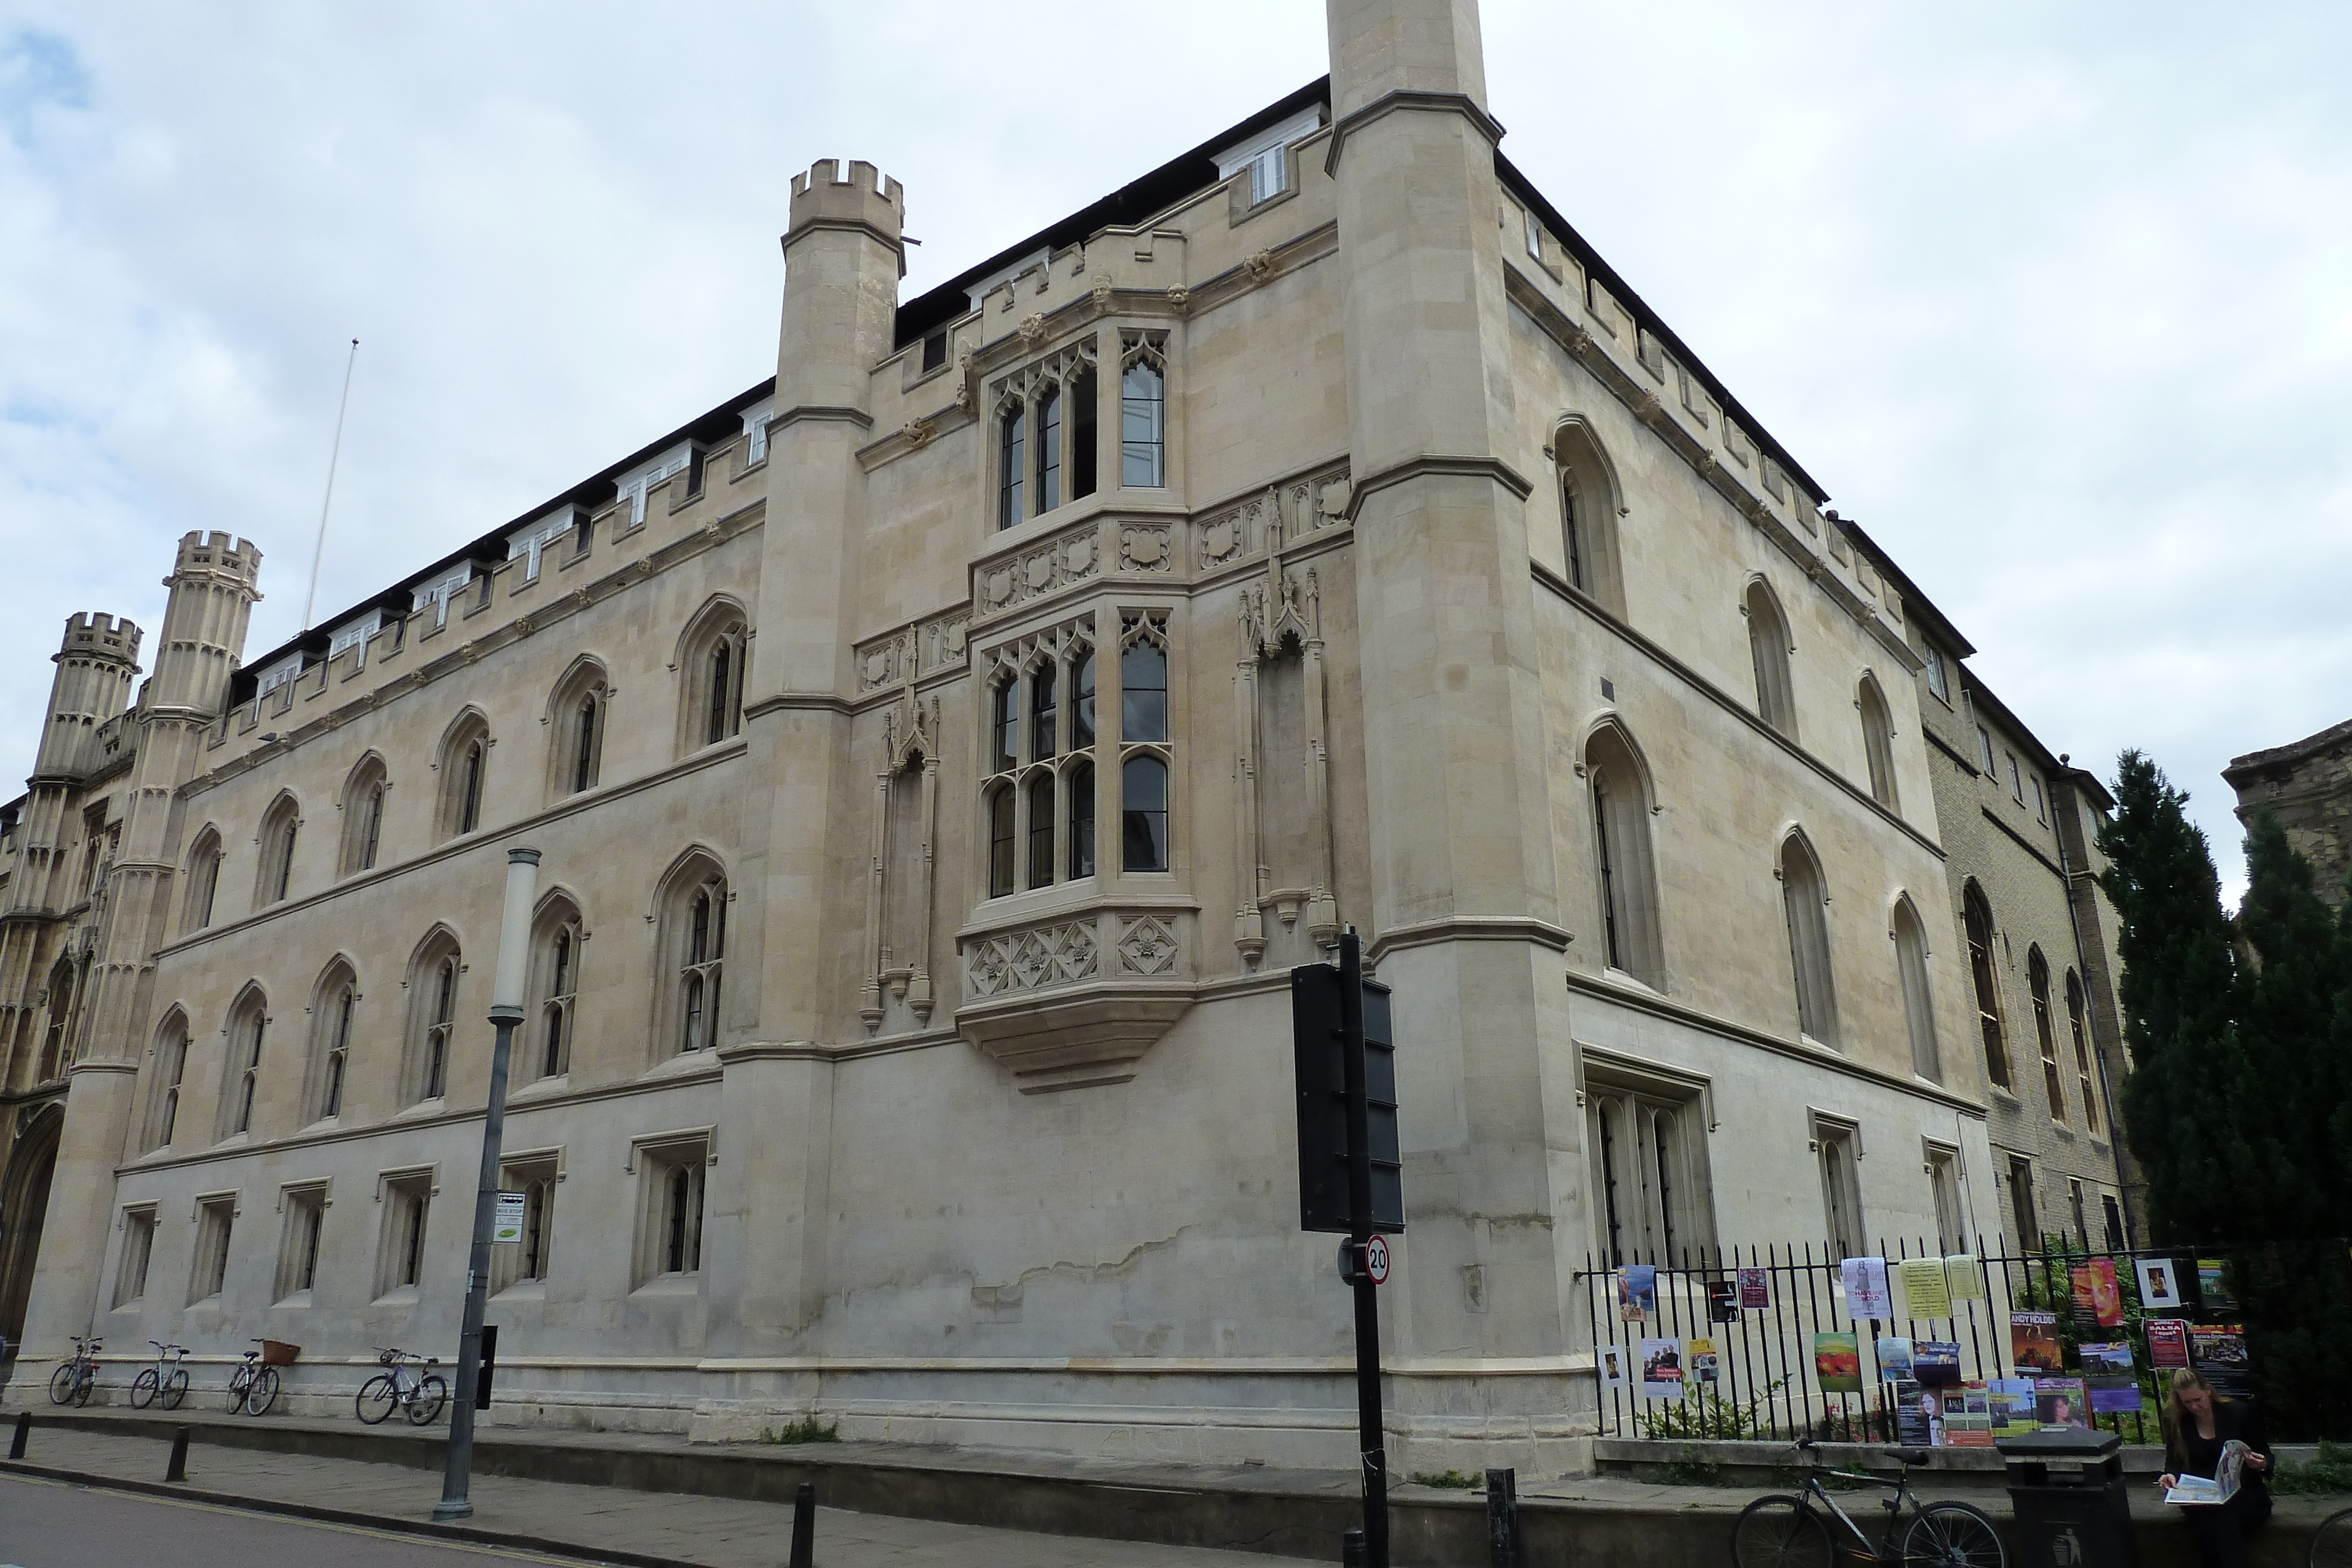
(1376, 1260)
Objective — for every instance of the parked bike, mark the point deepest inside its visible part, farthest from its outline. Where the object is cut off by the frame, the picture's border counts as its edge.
(394, 1387)
(70, 1384)
(166, 1380)
(252, 1387)
(1786, 1531)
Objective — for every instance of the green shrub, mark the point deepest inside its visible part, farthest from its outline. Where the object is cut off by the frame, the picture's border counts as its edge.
(2330, 1472)
(807, 1429)
(1453, 1479)
(1704, 1413)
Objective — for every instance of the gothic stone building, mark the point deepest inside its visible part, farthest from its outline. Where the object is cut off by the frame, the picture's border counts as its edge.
(2308, 783)
(938, 756)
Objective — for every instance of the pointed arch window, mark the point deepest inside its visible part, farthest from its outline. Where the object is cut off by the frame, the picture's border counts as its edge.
(1976, 921)
(280, 830)
(2078, 1024)
(579, 714)
(364, 802)
(1143, 834)
(1049, 449)
(1767, 650)
(1143, 415)
(696, 940)
(465, 776)
(1037, 802)
(58, 1029)
(1002, 833)
(1626, 871)
(203, 880)
(1804, 900)
(1012, 465)
(331, 1017)
(1587, 513)
(1918, 1012)
(171, 1069)
(1877, 742)
(248, 1027)
(2045, 1034)
(711, 660)
(433, 978)
(557, 947)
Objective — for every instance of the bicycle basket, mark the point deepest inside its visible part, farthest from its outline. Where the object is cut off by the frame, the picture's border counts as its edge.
(278, 1353)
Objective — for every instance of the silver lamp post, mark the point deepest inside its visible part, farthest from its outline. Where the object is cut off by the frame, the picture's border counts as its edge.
(506, 1012)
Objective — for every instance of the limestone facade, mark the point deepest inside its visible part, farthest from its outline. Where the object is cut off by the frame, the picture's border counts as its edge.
(1319, 510)
(2308, 784)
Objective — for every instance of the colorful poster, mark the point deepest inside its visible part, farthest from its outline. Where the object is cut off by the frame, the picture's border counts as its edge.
(1705, 1365)
(1968, 1416)
(1661, 1369)
(2214, 1297)
(2167, 1343)
(1866, 1295)
(2098, 1302)
(1755, 1289)
(2034, 1343)
(1893, 1359)
(2219, 1351)
(1722, 1301)
(1927, 1289)
(1936, 1363)
(2059, 1402)
(2012, 1407)
(2159, 1284)
(2108, 1373)
(1837, 1362)
(1964, 1277)
(1612, 1358)
(1637, 1292)
(1911, 1420)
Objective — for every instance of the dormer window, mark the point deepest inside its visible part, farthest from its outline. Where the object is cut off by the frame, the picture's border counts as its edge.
(1266, 155)
(639, 482)
(534, 542)
(354, 634)
(755, 430)
(278, 675)
(435, 596)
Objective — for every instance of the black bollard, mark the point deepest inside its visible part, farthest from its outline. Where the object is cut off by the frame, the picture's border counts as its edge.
(1502, 1518)
(178, 1469)
(804, 1526)
(24, 1430)
(1352, 1547)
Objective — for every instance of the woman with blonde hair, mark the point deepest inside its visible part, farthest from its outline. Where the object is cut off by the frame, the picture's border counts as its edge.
(2198, 1424)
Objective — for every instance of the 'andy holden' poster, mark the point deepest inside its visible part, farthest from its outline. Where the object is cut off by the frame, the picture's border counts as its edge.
(2034, 1343)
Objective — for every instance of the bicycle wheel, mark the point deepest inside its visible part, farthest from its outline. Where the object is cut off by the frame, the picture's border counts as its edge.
(239, 1381)
(377, 1396)
(84, 1384)
(142, 1389)
(1953, 1535)
(2331, 1543)
(264, 1392)
(61, 1385)
(175, 1390)
(1779, 1532)
(427, 1402)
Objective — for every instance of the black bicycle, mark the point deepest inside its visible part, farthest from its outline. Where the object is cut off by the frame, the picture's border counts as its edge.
(70, 1384)
(1783, 1531)
(2331, 1543)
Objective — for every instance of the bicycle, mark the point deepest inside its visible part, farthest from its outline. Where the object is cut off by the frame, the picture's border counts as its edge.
(423, 1397)
(1781, 1531)
(2331, 1543)
(252, 1387)
(70, 1384)
(156, 1382)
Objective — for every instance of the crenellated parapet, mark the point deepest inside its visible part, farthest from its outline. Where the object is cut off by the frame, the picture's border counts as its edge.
(215, 578)
(97, 660)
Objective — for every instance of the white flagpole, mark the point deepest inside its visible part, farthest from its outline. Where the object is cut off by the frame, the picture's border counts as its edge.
(319, 555)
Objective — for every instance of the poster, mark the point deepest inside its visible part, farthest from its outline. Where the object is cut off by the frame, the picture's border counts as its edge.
(2159, 1284)
(2113, 1381)
(1964, 1277)
(2219, 1351)
(1968, 1416)
(1911, 1420)
(2098, 1302)
(2167, 1344)
(1661, 1369)
(2034, 1343)
(2013, 1411)
(2059, 1402)
(1926, 1291)
(1866, 1295)
(1936, 1363)
(1705, 1365)
(1893, 1359)
(1722, 1301)
(1637, 1292)
(1755, 1289)
(1837, 1362)
(1613, 1366)
(2214, 1299)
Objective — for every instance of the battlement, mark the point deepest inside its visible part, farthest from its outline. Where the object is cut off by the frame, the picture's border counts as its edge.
(867, 200)
(217, 553)
(91, 635)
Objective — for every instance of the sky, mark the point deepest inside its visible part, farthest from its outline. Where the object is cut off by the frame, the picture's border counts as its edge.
(2055, 300)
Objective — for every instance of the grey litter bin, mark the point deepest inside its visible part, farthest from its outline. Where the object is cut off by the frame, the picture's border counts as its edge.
(2066, 1488)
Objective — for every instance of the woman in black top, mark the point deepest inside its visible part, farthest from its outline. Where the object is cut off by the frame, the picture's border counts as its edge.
(2197, 1424)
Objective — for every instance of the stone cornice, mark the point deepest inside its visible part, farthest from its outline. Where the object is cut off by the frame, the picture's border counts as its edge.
(823, 412)
(1404, 472)
(892, 242)
(1468, 928)
(800, 702)
(1407, 99)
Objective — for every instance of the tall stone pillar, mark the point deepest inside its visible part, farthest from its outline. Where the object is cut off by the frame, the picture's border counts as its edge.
(1467, 925)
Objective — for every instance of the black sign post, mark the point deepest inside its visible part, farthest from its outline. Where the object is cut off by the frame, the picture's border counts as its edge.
(1351, 1170)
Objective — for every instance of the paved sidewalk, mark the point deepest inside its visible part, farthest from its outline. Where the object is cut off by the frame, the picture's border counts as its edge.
(705, 1531)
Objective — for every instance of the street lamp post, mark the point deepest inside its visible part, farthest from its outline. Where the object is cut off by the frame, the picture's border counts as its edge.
(506, 1012)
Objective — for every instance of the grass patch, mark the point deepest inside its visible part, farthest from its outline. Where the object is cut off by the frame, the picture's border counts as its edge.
(2330, 1472)
(807, 1429)
(1452, 1480)
(1690, 1473)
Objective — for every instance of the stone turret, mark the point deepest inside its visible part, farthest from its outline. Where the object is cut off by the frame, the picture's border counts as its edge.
(95, 667)
(215, 581)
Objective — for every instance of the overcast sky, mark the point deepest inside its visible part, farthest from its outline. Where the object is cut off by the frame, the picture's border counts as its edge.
(2056, 299)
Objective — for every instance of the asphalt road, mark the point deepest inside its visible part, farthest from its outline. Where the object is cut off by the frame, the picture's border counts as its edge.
(52, 1524)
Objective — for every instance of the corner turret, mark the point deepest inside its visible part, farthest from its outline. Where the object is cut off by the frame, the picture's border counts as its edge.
(96, 662)
(843, 259)
(215, 580)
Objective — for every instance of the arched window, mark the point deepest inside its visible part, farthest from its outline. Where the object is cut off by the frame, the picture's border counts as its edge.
(1081, 788)
(711, 659)
(1768, 648)
(1001, 844)
(693, 940)
(1082, 700)
(1041, 829)
(1918, 1014)
(363, 797)
(465, 775)
(1976, 920)
(2045, 1034)
(279, 827)
(1877, 741)
(1049, 449)
(1626, 873)
(1587, 513)
(248, 1027)
(577, 720)
(1143, 418)
(1005, 725)
(203, 880)
(1012, 442)
(557, 938)
(432, 975)
(59, 1024)
(333, 1004)
(1143, 835)
(1040, 712)
(1804, 899)
(2078, 1021)
(1143, 693)
(170, 1068)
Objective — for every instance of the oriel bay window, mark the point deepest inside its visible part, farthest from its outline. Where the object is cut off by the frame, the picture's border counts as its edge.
(1045, 434)
(1143, 746)
(1143, 411)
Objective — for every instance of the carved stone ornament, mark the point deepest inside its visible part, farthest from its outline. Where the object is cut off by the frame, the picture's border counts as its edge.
(1033, 329)
(1143, 547)
(1260, 264)
(917, 432)
(1077, 1001)
(1181, 298)
(1102, 288)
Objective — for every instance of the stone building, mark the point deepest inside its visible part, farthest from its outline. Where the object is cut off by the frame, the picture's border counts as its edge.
(2308, 783)
(939, 755)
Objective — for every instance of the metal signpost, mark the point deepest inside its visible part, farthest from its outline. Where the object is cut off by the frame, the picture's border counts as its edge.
(1346, 1118)
(506, 1012)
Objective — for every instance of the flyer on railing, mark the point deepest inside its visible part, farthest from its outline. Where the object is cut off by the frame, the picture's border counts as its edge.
(2195, 1491)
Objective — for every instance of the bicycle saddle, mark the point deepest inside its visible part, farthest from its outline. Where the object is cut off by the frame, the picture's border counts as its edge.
(1913, 1455)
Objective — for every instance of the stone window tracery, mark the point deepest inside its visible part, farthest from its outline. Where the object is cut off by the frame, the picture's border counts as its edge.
(364, 802)
(1143, 411)
(1045, 435)
(248, 1027)
(1804, 901)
